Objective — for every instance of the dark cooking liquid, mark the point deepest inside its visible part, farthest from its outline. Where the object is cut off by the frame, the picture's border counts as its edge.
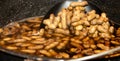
(28, 31)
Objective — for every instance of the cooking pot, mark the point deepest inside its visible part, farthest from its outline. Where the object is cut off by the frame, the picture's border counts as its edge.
(14, 10)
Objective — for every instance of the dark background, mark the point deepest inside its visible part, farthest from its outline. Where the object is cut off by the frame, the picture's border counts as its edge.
(13, 10)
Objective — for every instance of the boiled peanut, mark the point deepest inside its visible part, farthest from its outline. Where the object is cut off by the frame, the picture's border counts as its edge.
(11, 47)
(38, 42)
(28, 51)
(36, 47)
(25, 44)
(102, 46)
(73, 4)
(7, 39)
(51, 45)
(75, 44)
(77, 56)
(79, 27)
(61, 45)
(1, 30)
(64, 55)
(98, 51)
(53, 52)
(111, 29)
(26, 38)
(18, 40)
(92, 29)
(45, 52)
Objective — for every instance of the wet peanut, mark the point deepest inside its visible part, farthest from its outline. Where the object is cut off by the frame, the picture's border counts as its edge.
(64, 55)
(51, 45)
(79, 27)
(26, 38)
(2, 42)
(28, 51)
(18, 40)
(77, 23)
(62, 31)
(91, 15)
(45, 52)
(35, 37)
(98, 51)
(11, 47)
(88, 52)
(102, 46)
(1, 30)
(35, 47)
(38, 42)
(7, 39)
(73, 4)
(76, 41)
(73, 50)
(53, 52)
(93, 46)
(92, 29)
(115, 42)
(62, 44)
(25, 44)
(26, 27)
(77, 56)
(111, 29)
(75, 44)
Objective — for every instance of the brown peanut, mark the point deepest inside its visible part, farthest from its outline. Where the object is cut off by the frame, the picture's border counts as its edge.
(28, 51)
(77, 56)
(61, 45)
(1, 30)
(51, 45)
(38, 42)
(103, 46)
(73, 4)
(35, 47)
(45, 52)
(11, 47)
(64, 55)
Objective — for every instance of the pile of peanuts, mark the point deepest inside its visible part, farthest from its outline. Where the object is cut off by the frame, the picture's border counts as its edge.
(76, 21)
(73, 33)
